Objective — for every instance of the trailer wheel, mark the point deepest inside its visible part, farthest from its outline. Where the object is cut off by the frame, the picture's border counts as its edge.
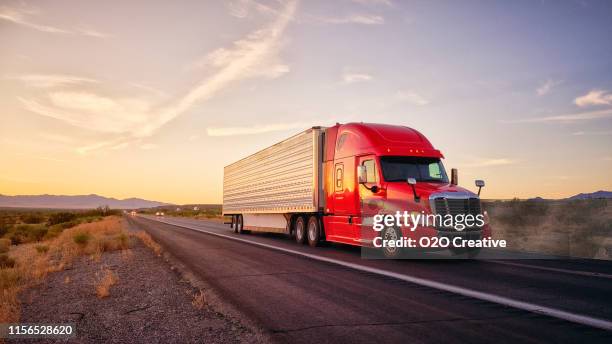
(300, 230)
(314, 231)
(239, 224)
(234, 227)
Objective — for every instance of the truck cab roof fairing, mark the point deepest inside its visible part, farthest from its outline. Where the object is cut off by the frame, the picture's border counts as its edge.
(382, 139)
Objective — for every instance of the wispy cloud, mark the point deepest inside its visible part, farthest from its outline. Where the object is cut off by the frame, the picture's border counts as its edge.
(349, 78)
(256, 129)
(568, 118)
(491, 162)
(411, 97)
(24, 17)
(132, 119)
(365, 19)
(592, 133)
(546, 87)
(594, 97)
(243, 8)
(251, 57)
(51, 80)
(374, 2)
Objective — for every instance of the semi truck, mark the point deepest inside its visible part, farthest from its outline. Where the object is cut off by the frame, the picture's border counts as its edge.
(328, 183)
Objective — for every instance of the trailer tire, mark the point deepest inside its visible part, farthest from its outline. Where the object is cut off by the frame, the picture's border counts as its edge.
(300, 230)
(239, 224)
(234, 228)
(313, 231)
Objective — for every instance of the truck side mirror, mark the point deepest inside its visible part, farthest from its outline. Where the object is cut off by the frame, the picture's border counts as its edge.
(454, 176)
(479, 183)
(412, 183)
(362, 174)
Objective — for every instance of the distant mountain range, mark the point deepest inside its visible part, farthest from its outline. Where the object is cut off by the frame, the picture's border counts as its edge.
(75, 202)
(591, 195)
(596, 194)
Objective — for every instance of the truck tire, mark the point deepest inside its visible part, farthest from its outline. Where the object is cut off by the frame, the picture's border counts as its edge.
(300, 230)
(234, 228)
(391, 233)
(313, 231)
(239, 224)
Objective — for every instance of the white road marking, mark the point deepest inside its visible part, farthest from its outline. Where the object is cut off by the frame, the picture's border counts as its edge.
(566, 271)
(526, 306)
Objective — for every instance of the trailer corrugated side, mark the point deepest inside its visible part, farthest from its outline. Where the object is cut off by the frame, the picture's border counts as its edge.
(280, 179)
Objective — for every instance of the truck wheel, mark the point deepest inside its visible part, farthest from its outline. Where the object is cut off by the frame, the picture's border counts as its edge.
(391, 233)
(300, 230)
(314, 231)
(239, 224)
(234, 227)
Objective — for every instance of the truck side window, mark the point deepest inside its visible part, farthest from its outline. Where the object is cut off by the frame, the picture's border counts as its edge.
(370, 170)
(339, 176)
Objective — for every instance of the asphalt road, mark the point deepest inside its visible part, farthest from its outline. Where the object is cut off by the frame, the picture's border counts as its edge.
(301, 300)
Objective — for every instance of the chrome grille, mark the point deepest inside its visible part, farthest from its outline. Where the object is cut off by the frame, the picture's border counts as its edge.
(456, 206)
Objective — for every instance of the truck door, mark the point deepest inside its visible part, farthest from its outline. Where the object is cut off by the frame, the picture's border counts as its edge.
(370, 203)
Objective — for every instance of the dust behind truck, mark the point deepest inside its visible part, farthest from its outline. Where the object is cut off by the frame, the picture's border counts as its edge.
(327, 183)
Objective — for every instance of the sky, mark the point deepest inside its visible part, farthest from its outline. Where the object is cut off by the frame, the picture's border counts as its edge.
(152, 98)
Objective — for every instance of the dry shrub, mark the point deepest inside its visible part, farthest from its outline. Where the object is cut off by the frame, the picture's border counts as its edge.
(67, 280)
(199, 300)
(5, 245)
(42, 249)
(6, 261)
(31, 267)
(148, 241)
(103, 286)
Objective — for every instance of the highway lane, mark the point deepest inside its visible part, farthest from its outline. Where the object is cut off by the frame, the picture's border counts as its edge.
(301, 300)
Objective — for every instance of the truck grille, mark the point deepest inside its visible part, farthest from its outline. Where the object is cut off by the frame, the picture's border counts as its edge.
(456, 206)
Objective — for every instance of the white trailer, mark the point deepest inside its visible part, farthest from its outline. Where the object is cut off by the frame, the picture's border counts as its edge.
(262, 190)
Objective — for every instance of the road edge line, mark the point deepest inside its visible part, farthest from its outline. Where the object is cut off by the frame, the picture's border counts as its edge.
(529, 307)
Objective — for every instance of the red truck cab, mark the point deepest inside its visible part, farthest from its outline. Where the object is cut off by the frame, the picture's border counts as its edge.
(389, 155)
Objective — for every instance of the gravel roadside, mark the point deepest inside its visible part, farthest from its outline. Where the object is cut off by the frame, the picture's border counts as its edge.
(150, 303)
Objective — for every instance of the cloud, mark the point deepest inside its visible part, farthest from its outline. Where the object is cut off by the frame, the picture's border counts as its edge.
(22, 17)
(91, 111)
(594, 97)
(365, 19)
(411, 97)
(242, 8)
(349, 78)
(133, 119)
(256, 129)
(374, 2)
(51, 80)
(592, 133)
(254, 56)
(546, 87)
(575, 117)
(491, 162)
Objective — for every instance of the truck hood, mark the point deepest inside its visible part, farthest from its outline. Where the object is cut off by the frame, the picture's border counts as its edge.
(399, 193)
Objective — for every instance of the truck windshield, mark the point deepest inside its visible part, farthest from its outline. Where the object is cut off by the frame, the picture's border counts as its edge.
(399, 168)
